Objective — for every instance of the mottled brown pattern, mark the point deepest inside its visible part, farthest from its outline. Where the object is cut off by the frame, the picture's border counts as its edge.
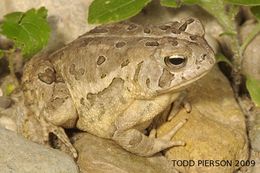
(166, 79)
(137, 71)
(125, 63)
(47, 77)
(120, 44)
(152, 43)
(101, 60)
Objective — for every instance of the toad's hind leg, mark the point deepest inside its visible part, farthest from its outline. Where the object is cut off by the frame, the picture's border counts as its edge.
(49, 105)
(57, 113)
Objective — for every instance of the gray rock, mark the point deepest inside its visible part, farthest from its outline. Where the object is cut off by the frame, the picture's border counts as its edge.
(97, 155)
(254, 130)
(18, 155)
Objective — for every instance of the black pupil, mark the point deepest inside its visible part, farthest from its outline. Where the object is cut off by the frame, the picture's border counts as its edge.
(176, 60)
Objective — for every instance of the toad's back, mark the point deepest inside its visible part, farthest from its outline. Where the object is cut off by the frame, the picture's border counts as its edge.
(115, 50)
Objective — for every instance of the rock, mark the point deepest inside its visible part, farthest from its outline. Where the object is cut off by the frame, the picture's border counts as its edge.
(255, 163)
(254, 130)
(251, 60)
(22, 156)
(8, 123)
(97, 155)
(215, 129)
(5, 102)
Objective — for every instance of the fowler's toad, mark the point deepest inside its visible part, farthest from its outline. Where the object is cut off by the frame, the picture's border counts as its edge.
(112, 82)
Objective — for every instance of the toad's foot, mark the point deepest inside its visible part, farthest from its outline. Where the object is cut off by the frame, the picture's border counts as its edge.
(136, 142)
(61, 135)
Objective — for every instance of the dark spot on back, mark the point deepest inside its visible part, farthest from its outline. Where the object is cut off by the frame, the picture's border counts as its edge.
(193, 37)
(125, 63)
(173, 41)
(176, 31)
(203, 57)
(189, 21)
(91, 98)
(72, 69)
(120, 44)
(147, 30)
(82, 101)
(164, 27)
(137, 71)
(48, 76)
(103, 76)
(83, 42)
(76, 73)
(101, 60)
(148, 82)
(183, 27)
(152, 43)
(98, 30)
(131, 27)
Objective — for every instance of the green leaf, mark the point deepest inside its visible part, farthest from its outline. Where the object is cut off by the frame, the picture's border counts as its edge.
(227, 33)
(105, 11)
(29, 31)
(15, 16)
(170, 3)
(256, 11)
(244, 2)
(193, 2)
(253, 87)
(178, 3)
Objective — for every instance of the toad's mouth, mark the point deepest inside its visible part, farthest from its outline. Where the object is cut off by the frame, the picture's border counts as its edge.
(183, 84)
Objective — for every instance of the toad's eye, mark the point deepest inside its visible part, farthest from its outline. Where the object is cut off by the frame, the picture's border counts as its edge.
(175, 61)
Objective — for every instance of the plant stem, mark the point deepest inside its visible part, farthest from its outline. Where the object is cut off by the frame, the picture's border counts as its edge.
(10, 55)
(235, 48)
